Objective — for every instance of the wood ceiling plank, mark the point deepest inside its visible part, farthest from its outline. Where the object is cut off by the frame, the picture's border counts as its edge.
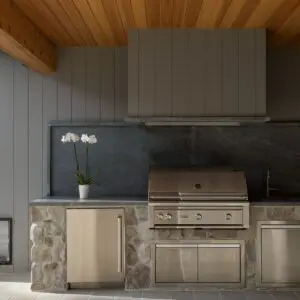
(78, 22)
(209, 13)
(114, 19)
(263, 12)
(282, 13)
(139, 13)
(100, 14)
(42, 17)
(289, 29)
(55, 8)
(245, 13)
(191, 12)
(24, 41)
(91, 22)
(153, 13)
(232, 13)
(126, 13)
(166, 11)
(178, 13)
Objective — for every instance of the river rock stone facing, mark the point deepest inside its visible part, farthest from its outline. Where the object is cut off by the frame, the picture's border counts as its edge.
(138, 238)
(48, 251)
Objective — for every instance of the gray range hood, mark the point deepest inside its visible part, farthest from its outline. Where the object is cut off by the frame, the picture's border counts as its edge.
(199, 121)
(195, 77)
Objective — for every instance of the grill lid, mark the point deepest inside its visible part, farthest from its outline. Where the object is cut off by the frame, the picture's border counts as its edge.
(197, 184)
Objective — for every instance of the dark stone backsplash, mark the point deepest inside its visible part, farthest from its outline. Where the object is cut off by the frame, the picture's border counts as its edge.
(121, 160)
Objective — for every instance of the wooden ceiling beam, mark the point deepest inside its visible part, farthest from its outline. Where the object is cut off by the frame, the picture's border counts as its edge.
(25, 42)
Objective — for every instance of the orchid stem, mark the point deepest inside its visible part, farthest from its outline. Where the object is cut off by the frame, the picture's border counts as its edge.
(76, 159)
(87, 162)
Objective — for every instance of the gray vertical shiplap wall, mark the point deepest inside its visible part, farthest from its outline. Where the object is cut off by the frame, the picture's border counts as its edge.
(90, 84)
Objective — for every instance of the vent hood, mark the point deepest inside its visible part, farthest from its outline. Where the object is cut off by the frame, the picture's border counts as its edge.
(200, 121)
(195, 77)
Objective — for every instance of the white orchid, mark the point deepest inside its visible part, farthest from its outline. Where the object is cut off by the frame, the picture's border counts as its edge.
(86, 139)
(92, 139)
(89, 139)
(70, 137)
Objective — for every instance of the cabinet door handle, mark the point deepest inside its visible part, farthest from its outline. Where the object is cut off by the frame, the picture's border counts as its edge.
(119, 244)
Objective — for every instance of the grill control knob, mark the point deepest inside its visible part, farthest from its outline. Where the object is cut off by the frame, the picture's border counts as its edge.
(169, 216)
(199, 216)
(160, 216)
(228, 216)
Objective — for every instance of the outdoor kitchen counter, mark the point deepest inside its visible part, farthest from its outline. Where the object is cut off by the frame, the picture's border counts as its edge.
(49, 244)
(103, 201)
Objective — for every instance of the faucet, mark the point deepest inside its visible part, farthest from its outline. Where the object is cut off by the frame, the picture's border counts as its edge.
(268, 182)
(269, 188)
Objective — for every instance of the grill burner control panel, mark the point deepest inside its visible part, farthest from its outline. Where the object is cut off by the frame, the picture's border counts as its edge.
(200, 217)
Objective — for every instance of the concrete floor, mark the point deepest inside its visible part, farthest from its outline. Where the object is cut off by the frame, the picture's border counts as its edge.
(17, 287)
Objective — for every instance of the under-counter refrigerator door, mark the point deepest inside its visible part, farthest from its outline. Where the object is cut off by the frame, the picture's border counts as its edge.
(95, 245)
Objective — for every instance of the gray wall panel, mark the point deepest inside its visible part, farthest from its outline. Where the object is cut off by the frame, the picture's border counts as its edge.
(213, 68)
(93, 80)
(121, 85)
(163, 95)
(107, 68)
(230, 69)
(146, 73)
(246, 77)
(83, 88)
(78, 79)
(260, 71)
(49, 113)
(21, 167)
(35, 133)
(6, 135)
(64, 100)
(179, 75)
(133, 70)
(197, 86)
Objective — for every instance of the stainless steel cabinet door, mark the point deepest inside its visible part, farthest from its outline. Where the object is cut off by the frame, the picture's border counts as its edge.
(278, 254)
(175, 263)
(95, 245)
(220, 263)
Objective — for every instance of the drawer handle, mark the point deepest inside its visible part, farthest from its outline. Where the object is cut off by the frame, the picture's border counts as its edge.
(228, 216)
(119, 244)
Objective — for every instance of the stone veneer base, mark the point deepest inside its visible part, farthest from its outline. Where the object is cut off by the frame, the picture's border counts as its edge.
(48, 236)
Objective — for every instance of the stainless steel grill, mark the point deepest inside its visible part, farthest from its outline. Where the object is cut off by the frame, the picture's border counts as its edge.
(198, 198)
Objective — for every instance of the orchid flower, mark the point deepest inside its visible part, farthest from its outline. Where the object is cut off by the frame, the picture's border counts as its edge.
(86, 139)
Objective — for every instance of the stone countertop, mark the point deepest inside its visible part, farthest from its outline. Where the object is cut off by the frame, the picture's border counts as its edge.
(124, 201)
(103, 201)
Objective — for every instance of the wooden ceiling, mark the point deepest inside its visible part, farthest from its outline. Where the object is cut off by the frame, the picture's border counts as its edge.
(105, 22)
